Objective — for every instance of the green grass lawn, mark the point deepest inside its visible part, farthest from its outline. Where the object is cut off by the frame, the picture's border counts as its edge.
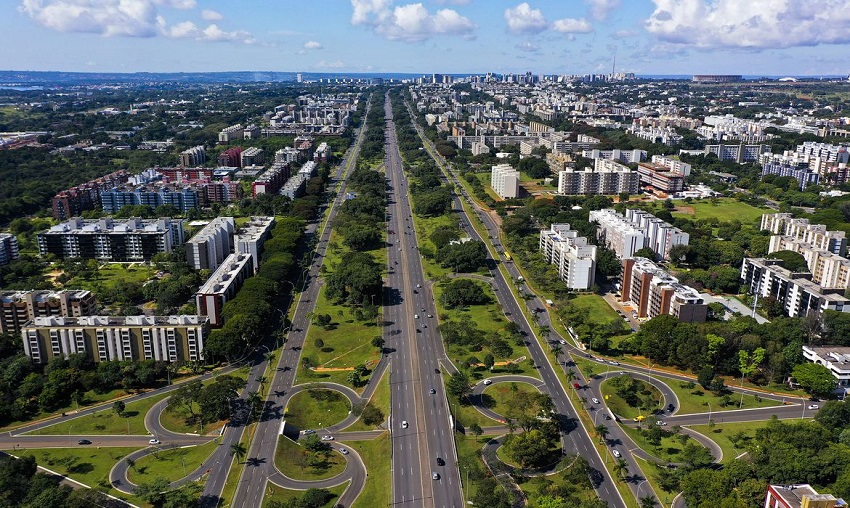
(175, 420)
(107, 422)
(108, 275)
(170, 464)
(425, 226)
(280, 495)
(90, 466)
(380, 399)
(619, 405)
(89, 398)
(498, 396)
(290, 459)
(670, 449)
(376, 456)
(697, 399)
(725, 209)
(725, 433)
(317, 408)
(466, 414)
(469, 456)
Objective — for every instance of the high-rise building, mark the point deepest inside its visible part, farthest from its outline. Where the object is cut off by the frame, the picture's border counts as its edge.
(505, 181)
(110, 240)
(8, 248)
(627, 234)
(107, 338)
(251, 235)
(673, 164)
(816, 235)
(222, 286)
(654, 292)
(72, 202)
(211, 245)
(18, 307)
(195, 156)
(660, 178)
(606, 177)
(794, 291)
(574, 258)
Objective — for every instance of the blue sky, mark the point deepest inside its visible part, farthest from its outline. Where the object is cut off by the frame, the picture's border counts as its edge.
(770, 37)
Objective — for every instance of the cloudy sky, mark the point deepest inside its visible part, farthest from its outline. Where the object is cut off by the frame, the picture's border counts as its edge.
(769, 37)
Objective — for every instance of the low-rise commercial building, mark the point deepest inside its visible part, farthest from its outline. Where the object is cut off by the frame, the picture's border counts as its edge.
(654, 292)
(18, 307)
(504, 180)
(108, 338)
(8, 248)
(222, 286)
(111, 240)
(795, 291)
(571, 254)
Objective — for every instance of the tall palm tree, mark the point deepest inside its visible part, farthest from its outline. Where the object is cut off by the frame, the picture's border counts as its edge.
(648, 502)
(557, 350)
(601, 431)
(262, 380)
(621, 468)
(238, 450)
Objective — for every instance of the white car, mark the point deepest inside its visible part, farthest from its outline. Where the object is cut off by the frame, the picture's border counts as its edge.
(153, 441)
(343, 451)
(616, 454)
(327, 438)
(660, 423)
(595, 400)
(813, 406)
(487, 381)
(404, 424)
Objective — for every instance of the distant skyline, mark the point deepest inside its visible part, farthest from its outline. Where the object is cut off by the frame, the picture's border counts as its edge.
(752, 37)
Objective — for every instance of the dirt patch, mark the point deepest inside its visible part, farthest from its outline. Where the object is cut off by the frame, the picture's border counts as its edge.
(689, 210)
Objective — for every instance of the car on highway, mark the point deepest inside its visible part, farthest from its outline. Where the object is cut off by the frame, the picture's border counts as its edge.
(404, 424)
(562, 341)
(595, 400)
(343, 451)
(327, 438)
(435, 476)
(660, 423)
(83, 441)
(432, 391)
(308, 431)
(487, 381)
(670, 407)
(440, 461)
(617, 454)
(153, 441)
(813, 406)
(430, 316)
(576, 386)
(419, 285)
(612, 362)
(639, 418)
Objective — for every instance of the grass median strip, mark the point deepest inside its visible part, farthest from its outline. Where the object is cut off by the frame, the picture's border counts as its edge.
(275, 494)
(300, 463)
(375, 453)
(106, 422)
(172, 464)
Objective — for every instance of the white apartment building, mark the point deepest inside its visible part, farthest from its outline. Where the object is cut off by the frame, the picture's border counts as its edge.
(828, 269)
(674, 165)
(606, 177)
(505, 181)
(795, 291)
(231, 133)
(479, 148)
(211, 245)
(816, 235)
(637, 229)
(571, 254)
(834, 358)
(250, 237)
(625, 156)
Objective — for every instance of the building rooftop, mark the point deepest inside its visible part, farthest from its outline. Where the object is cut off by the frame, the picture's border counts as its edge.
(225, 274)
(42, 295)
(70, 322)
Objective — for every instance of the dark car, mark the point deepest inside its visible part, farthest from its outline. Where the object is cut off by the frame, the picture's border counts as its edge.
(440, 461)
(670, 407)
(576, 386)
(83, 441)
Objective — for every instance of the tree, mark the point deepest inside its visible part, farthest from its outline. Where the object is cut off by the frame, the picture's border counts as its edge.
(529, 449)
(476, 429)
(378, 343)
(238, 450)
(645, 252)
(153, 492)
(815, 379)
(621, 468)
(463, 257)
(463, 292)
(458, 385)
(601, 431)
(372, 415)
(360, 237)
(648, 502)
(118, 406)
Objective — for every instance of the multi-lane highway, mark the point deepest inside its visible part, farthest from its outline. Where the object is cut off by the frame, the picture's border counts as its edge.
(252, 483)
(424, 465)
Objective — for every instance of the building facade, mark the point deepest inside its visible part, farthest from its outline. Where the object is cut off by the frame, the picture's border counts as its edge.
(795, 291)
(505, 181)
(606, 177)
(626, 234)
(195, 156)
(816, 235)
(18, 307)
(250, 236)
(799, 496)
(222, 286)
(739, 153)
(109, 240)
(211, 245)
(674, 165)
(108, 338)
(654, 292)
(660, 178)
(8, 248)
(574, 258)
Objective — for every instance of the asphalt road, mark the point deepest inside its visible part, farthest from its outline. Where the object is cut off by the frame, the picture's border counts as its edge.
(260, 460)
(416, 349)
(575, 438)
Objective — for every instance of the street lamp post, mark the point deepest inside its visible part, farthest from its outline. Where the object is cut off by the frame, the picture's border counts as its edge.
(709, 411)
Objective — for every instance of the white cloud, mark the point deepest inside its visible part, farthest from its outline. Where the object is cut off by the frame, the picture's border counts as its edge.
(572, 26)
(410, 22)
(600, 9)
(755, 24)
(313, 45)
(528, 46)
(622, 34)
(336, 64)
(211, 15)
(126, 18)
(522, 19)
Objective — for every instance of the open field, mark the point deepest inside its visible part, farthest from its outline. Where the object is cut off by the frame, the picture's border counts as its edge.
(725, 433)
(279, 495)
(317, 408)
(375, 454)
(697, 399)
(294, 461)
(725, 209)
(170, 464)
(108, 275)
(380, 399)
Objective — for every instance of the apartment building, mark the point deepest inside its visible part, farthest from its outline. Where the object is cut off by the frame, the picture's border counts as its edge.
(288, 154)
(504, 180)
(8, 248)
(571, 254)
(184, 197)
(251, 132)
(799, 496)
(828, 269)
(789, 164)
(223, 285)
(606, 177)
(195, 156)
(231, 133)
(72, 202)
(624, 156)
(250, 236)
(814, 234)
(626, 234)
(108, 338)
(660, 178)
(674, 165)
(795, 291)
(18, 307)
(111, 240)
(294, 187)
(212, 244)
(834, 358)
(654, 292)
(232, 157)
(322, 153)
(272, 180)
(739, 153)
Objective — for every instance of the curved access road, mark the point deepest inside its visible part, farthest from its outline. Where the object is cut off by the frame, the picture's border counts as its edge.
(355, 472)
(118, 474)
(478, 391)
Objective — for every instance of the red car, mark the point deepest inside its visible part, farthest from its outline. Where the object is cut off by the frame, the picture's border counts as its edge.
(576, 386)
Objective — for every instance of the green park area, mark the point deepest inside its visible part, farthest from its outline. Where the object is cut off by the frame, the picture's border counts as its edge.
(378, 488)
(310, 459)
(732, 438)
(425, 227)
(668, 445)
(317, 408)
(722, 209)
(107, 422)
(629, 398)
(275, 494)
(110, 276)
(693, 398)
(85, 465)
(171, 464)
(375, 412)
(503, 398)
